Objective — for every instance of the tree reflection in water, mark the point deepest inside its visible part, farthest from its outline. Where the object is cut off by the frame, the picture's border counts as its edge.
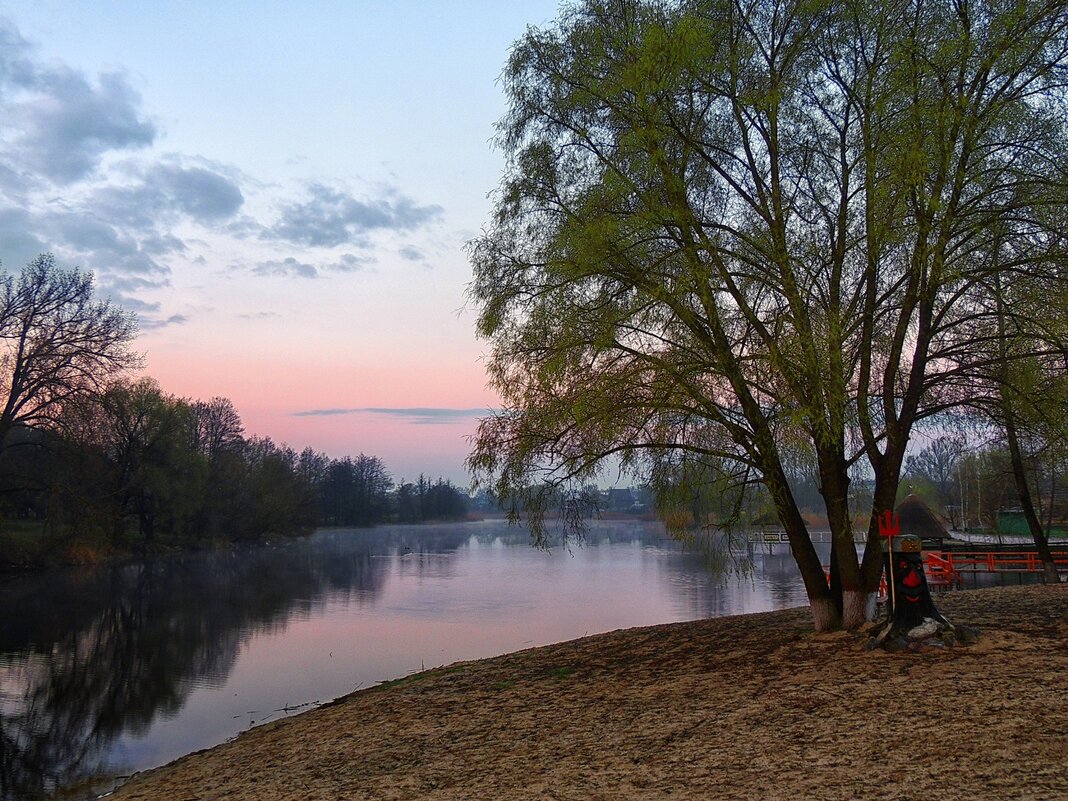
(103, 652)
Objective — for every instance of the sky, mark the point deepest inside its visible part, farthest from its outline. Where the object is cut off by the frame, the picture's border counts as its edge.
(281, 192)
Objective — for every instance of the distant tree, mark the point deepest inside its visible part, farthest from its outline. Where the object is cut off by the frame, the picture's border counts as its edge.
(372, 484)
(312, 466)
(272, 498)
(444, 502)
(217, 427)
(158, 480)
(57, 343)
(428, 501)
(406, 503)
(936, 465)
(355, 491)
(124, 469)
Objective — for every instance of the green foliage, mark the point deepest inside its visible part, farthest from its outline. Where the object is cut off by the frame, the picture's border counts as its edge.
(727, 236)
(425, 501)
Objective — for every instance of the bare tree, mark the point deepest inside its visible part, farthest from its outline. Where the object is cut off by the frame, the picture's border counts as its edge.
(57, 342)
(937, 465)
(217, 427)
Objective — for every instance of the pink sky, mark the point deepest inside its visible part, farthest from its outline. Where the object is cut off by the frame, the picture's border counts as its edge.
(281, 193)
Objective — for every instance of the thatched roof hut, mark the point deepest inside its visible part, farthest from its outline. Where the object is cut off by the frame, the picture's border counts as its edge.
(917, 518)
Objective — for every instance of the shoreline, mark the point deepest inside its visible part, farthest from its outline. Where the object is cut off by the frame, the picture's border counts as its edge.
(76, 554)
(750, 706)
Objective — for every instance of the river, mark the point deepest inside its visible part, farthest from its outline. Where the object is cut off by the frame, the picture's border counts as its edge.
(110, 670)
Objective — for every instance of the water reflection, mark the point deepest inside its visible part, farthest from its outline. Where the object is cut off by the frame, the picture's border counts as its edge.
(110, 670)
(91, 654)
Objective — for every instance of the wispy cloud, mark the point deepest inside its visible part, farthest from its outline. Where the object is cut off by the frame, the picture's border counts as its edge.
(291, 267)
(411, 253)
(262, 315)
(286, 267)
(148, 324)
(332, 217)
(423, 415)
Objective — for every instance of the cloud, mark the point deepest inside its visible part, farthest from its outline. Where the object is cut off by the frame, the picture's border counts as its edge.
(423, 415)
(286, 267)
(164, 191)
(18, 244)
(148, 324)
(60, 125)
(411, 253)
(348, 263)
(330, 218)
(59, 122)
(291, 267)
(80, 177)
(263, 315)
(122, 289)
(82, 238)
(163, 243)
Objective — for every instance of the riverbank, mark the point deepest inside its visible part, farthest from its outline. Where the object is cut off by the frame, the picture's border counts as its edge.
(748, 707)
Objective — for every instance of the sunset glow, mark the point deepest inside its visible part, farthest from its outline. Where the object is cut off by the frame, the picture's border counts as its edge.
(282, 196)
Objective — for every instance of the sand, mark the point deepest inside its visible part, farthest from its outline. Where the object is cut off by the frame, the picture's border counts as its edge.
(748, 707)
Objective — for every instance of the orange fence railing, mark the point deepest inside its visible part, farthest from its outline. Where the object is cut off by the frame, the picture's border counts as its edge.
(994, 561)
(940, 570)
(944, 569)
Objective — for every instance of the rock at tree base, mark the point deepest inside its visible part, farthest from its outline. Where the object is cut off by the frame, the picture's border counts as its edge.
(932, 634)
(912, 621)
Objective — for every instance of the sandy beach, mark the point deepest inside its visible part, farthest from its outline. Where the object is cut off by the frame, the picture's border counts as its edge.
(749, 707)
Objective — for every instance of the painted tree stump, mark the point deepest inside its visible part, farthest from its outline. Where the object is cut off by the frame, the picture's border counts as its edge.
(912, 620)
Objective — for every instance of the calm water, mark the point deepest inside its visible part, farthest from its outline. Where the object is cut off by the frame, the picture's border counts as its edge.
(108, 671)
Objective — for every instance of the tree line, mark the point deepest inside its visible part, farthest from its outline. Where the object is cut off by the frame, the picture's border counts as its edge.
(94, 461)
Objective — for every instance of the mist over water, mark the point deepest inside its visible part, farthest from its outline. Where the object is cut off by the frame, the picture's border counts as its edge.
(107, 671)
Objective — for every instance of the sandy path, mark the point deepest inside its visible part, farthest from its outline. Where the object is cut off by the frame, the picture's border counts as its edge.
(752, 707)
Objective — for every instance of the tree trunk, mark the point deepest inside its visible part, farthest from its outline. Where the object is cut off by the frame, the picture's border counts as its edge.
(885, 491)
(825, 616)
(1049, 567)
(847, 582)
(854, 609)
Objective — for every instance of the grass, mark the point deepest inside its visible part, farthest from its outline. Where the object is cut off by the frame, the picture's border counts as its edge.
(415, 678)
(559, 673)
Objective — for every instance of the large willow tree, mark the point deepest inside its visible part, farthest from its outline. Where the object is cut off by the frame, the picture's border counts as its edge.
(731, 229)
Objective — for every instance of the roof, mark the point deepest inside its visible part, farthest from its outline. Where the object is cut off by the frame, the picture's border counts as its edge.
(917, 518)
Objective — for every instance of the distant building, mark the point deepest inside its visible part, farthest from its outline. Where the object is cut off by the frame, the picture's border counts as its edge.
(917, 518)
(1013, 521)
(629, 500)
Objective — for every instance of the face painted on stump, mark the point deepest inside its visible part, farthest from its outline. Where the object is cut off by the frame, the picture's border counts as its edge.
(908, 576)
